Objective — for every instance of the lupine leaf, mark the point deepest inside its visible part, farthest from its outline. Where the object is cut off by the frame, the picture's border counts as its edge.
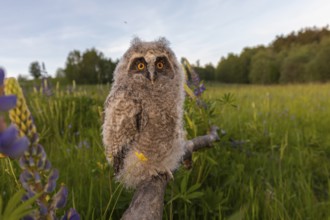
(14, 210)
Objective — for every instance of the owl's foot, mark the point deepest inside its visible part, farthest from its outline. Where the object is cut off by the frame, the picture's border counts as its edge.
(169, 174)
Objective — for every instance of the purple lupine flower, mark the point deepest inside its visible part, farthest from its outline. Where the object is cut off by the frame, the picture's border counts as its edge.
(59, 200)
(28, 217)
(202, 87)
(72, 214)
(10, 144)
(42, 208)
(195, 78)
(51, 184)
(2, 76)
(7, 102)
(199, 90)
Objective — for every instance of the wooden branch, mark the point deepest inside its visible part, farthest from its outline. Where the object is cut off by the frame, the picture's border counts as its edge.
(199, 143)
(148, 200)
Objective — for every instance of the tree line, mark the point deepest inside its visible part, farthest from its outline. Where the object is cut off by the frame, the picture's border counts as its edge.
(302, 56)
(88, 67)
(298, 57)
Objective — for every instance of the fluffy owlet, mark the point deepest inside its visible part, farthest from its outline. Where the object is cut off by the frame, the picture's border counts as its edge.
(143, 130)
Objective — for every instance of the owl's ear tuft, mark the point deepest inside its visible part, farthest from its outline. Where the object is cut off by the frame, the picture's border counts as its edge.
(135, 41)
(163, 42)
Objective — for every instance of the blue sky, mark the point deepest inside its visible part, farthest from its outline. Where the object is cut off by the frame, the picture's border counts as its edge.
(46, 31)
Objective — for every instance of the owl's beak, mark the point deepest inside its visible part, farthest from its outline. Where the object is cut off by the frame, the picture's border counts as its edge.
(152, 74)
(153, 77)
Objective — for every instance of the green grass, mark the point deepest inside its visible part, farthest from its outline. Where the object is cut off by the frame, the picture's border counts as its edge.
(273, 162)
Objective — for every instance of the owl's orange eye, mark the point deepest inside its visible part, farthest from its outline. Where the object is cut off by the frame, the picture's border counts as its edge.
(160, 65)
(140, 66)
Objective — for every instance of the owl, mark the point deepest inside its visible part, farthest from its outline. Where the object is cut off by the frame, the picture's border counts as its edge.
(143, 129)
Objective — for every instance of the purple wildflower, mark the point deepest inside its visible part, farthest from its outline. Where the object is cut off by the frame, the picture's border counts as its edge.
(10, 144)
(59, 200)
(51, 184)
(71, 215)
(34, 161)
(7, 102)
(193, 80)
(2, 76)
(199, 90)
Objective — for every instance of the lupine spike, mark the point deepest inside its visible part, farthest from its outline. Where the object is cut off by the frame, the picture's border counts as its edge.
(35, 159)
(20, 114)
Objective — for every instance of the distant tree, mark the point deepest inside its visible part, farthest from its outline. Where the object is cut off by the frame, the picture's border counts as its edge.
(301, 37)
(35, 70)
(231, 70)
(90, 67)
(90, 71)
(72, 66)
(318, 68)
(22, 78)
(245, 60)
(107, 67)
(264, 68)
(60, 73)
(293, 68)
(207, 72)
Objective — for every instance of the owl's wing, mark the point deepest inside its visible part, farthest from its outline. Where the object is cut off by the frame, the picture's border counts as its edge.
(122, 122)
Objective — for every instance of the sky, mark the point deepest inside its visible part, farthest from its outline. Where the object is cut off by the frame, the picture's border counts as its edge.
(205, 30)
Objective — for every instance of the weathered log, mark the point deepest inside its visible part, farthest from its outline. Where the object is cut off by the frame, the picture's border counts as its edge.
(148, 200)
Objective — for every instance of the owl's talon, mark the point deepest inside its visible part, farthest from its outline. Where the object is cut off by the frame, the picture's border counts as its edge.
(169, 174)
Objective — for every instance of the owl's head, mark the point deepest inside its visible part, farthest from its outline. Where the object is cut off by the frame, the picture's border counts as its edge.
(148, 63)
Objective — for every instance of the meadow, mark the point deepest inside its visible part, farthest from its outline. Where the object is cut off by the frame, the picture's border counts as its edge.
(272, 162)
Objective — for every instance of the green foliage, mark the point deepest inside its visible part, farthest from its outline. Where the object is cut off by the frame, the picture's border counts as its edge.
(320, 65)
(273, 163)
(230, 70)
(206, 73)
(302, 37)
(301, 56)
(293, 68)
(264, 68)
(35, 70)
(15, 209)
(90, 67)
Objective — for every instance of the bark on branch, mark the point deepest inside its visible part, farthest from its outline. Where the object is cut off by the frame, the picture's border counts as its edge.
(148, 200)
